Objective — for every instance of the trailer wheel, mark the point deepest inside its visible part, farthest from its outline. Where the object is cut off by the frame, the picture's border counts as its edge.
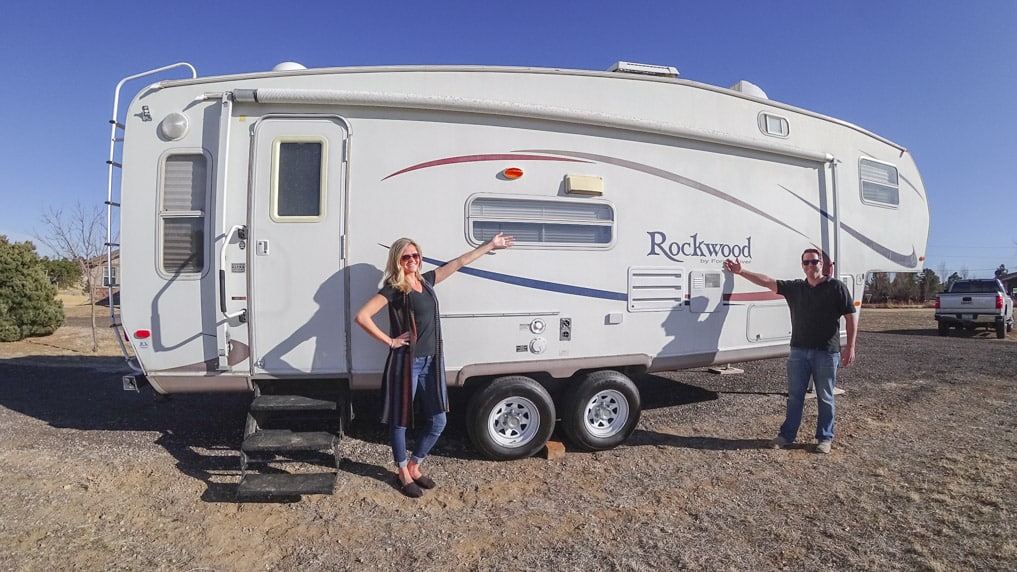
(1000, 329)
(601, 411)
(511, 418)
(944, 329)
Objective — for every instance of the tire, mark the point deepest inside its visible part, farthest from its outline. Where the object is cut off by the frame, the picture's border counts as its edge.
(510, 418)
(601, 411)
(944, 329)
(1000, 329)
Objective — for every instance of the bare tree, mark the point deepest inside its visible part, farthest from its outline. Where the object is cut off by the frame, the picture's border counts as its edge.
(942, 271)
(78, 235)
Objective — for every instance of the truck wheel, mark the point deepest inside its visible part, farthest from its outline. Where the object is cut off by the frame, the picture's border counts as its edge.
(601, 411)
(511, 418)
(1000, 329)
(944, 329)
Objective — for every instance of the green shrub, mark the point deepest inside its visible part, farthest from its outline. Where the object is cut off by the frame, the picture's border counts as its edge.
(63, 272)
(28, 303)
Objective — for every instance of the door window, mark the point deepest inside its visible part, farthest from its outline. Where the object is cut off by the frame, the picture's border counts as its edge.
(298, 179)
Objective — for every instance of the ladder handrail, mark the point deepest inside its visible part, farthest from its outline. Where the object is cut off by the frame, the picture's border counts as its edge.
(114, 124)
(110, 203)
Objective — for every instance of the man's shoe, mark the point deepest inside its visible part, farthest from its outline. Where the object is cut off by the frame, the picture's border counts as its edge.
(779, 442)
(823, 447)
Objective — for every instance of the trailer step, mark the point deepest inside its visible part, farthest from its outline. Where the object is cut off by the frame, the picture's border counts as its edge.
(292, 433)
(282, 440)
(277, 485)
(291, 403)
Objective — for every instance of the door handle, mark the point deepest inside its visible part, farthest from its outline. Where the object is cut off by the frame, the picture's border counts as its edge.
(235, 229)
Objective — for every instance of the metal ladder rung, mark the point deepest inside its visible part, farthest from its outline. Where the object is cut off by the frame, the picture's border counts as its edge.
(117, 123)
(115, 164)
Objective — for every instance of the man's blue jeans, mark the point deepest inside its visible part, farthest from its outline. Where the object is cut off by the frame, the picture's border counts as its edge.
(821, 366)
(429, 433)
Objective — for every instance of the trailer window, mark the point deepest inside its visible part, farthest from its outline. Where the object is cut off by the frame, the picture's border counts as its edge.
(184, 193)
(878, 182)
(774, 125)
(298, 182)
(542, 222)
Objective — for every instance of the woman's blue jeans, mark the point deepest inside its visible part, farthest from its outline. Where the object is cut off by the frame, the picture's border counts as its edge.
(424, 380)
(821, 366)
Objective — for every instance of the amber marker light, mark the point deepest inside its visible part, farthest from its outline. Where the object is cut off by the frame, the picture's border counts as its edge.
(512, 173)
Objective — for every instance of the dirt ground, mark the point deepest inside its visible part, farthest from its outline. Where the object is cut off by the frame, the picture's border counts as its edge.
(921, 476)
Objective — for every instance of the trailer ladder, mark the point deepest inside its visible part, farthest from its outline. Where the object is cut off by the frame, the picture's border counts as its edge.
(116, 139)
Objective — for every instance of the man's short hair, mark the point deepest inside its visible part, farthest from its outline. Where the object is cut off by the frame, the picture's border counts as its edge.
(814, 251)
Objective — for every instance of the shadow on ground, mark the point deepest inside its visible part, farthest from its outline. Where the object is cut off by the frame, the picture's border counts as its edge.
(203, 431)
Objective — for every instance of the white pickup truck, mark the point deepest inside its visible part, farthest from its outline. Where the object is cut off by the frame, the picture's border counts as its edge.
(971, 304)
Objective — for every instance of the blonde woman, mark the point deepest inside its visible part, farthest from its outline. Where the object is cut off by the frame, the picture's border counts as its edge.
(415, 367)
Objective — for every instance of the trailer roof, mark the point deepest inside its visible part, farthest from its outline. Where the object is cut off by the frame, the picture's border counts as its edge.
(292, 69)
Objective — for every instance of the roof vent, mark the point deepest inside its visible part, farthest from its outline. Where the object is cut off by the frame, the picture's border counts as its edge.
(749, 88)
(288, 66)
(644, 69)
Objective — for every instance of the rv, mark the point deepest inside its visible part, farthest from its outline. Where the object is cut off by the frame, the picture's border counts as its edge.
(255, 212)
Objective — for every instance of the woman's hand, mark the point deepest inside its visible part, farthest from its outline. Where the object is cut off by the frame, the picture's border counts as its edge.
(498, 242)
(400, 341)
(501, 241)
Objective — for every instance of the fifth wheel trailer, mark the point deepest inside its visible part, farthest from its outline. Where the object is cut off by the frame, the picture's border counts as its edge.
(255, 212)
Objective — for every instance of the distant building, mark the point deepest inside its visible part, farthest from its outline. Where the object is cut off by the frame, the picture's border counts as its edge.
(1010, 281)
(102, 279)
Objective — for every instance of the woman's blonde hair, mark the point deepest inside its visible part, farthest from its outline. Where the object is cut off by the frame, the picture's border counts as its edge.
(394, 274)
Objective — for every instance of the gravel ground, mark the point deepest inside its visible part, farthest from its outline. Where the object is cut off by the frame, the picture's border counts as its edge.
(920, 478)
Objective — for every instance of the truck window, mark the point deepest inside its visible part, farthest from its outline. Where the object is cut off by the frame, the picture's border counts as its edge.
(979, 287)
(182, 213)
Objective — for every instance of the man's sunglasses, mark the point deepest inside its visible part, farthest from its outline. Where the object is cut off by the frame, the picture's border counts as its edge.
(409, 257)
(806, 262)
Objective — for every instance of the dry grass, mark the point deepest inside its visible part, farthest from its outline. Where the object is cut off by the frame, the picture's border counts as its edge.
(74, 338)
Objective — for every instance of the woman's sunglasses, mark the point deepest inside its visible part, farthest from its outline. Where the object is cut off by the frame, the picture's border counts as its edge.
(409, 257)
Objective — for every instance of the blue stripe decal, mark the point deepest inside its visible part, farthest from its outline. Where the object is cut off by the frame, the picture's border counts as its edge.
(537, 284)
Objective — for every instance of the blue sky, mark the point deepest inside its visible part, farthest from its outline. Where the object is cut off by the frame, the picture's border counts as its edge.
(939, 77)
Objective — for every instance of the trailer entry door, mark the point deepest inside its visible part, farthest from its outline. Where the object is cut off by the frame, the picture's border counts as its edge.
(297, 295)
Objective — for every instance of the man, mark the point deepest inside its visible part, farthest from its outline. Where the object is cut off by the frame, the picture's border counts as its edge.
(816, 304)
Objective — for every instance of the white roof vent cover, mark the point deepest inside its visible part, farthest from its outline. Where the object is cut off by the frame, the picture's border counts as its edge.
(749, 88)
(645, 69)
(288, 66)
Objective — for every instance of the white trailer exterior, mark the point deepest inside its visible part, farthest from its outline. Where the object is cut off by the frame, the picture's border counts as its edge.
(256, 211)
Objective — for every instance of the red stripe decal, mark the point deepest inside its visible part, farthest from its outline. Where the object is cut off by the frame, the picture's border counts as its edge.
(478, 158)
(753, 297)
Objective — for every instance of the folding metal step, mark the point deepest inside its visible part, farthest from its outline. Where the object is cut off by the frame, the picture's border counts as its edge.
(292, 427)
(291, 403)
(281, 485)
(284, 440)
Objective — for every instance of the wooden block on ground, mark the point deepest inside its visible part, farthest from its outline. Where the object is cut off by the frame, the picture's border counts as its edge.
(554, 451)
